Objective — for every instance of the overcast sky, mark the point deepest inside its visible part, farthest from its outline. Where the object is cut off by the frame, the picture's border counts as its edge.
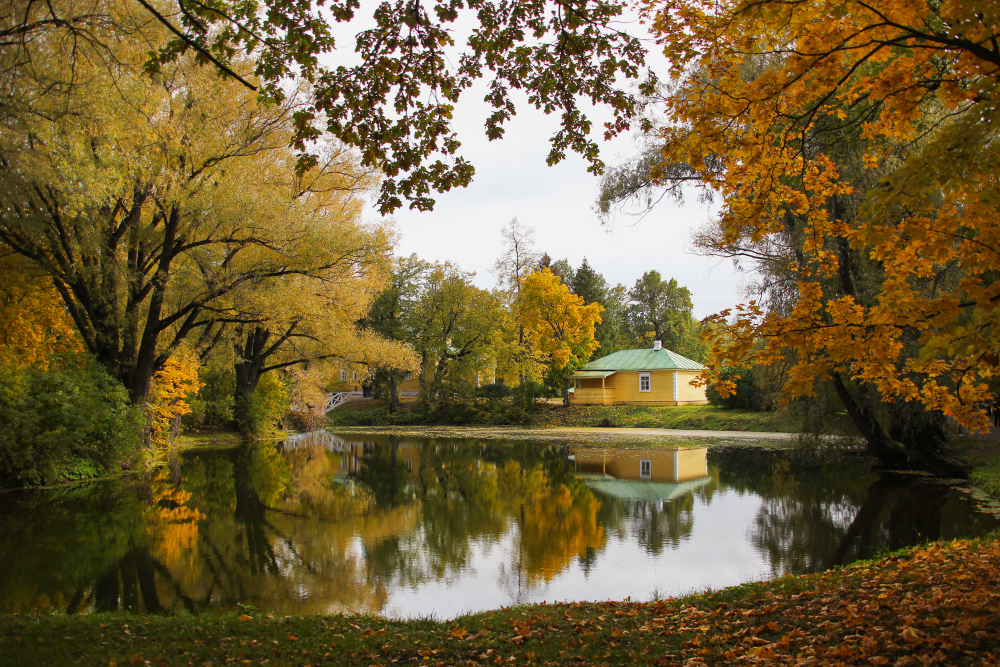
(512, 180)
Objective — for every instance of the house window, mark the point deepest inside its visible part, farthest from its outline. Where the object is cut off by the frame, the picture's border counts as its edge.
(343, 375)
(643, 381)
(409, 376)
(645, 468)
(354, 376)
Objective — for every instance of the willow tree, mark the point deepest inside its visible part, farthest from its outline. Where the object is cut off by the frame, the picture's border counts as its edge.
(756, 117)
(310, 316)
(157, 208)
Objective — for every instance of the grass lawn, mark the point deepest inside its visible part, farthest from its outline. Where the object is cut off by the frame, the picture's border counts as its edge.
(984, 455)
(934, 604)
(693, 417)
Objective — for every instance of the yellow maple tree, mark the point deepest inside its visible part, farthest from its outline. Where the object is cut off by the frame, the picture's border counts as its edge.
(171, 387)
(557, 323)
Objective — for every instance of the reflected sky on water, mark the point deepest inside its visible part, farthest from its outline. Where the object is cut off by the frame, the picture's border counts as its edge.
(419, 526)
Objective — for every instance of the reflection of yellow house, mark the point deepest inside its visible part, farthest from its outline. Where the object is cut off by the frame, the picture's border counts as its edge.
(658, 474)
(654, 376)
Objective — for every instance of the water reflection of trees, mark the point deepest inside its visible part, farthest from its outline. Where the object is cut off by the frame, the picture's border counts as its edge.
(822, 509)
(479, 497)
(275, 529)
(290, 531)
(656, 526)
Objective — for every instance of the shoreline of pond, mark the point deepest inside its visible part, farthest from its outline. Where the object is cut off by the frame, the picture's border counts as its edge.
(918, 603)
(595, 435)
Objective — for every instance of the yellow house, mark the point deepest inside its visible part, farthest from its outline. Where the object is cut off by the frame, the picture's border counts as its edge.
(653, 376)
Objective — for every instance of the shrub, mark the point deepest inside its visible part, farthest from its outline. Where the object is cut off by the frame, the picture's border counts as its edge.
(266, 406)
(751, 393)
(71, 421)
(213, 406)
(493, 392)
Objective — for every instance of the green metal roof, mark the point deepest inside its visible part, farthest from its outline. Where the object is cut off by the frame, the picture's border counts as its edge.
(640, 490)
(592, 374)
(643, 360)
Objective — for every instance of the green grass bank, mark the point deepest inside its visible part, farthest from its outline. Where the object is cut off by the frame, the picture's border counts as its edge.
(694, 417)
(933, 604)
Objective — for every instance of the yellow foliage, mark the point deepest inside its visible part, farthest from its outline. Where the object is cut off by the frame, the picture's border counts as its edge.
(557, 321)
(171, 386)
(752, 79)
(34, 325)
(171, 525)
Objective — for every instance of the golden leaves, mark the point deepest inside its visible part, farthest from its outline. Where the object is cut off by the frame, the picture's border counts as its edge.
(172, 386)
(556, 320)
(767, 75)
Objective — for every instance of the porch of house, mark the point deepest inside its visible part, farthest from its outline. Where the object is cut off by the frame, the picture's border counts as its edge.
(590, 389)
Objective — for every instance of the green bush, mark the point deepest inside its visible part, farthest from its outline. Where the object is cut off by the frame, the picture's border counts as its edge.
(266, 406)
(213, 406)
(71, 421)
(749, 394)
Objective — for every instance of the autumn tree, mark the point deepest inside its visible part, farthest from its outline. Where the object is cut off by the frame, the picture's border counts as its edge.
(159, 208)
(451, 324)
(390, 315)
(395, 103)
(518, 258)
(558, 324)
(309, 316)
(917, 83)
(34, 325)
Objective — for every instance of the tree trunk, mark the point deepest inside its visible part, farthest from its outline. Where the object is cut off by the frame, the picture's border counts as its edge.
(248, 368)
(917, 446)
(393, 393)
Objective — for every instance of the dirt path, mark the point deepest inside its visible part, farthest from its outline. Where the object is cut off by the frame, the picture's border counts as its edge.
(580, 435)
(675, 433)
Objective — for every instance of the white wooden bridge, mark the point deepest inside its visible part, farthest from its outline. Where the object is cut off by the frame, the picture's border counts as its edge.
(338, 398)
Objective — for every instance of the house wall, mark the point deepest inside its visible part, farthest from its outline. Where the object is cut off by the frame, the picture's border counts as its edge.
(626, 386)
(661, 389)
(686, 393)
(672, 465)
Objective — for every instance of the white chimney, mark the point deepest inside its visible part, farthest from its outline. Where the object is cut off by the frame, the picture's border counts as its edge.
(657, 345)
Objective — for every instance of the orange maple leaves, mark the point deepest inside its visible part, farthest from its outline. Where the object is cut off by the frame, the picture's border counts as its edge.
(802, 104)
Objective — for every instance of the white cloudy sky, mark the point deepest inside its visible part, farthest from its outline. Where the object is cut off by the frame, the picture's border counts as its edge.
(512, 180)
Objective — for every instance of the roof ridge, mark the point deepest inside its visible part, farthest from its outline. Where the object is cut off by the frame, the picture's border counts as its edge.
(643, 359)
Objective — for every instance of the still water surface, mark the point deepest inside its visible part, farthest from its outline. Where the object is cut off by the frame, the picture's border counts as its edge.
(418, 526)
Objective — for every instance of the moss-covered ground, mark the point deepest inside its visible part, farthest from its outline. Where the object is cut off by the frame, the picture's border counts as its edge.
(930, 605)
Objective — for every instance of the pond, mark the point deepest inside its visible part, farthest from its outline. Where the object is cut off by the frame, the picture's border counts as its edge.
(430, 527)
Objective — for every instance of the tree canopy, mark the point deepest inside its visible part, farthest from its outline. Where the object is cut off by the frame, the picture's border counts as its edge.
(765, 94)
(395, 103)
(167, 213)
